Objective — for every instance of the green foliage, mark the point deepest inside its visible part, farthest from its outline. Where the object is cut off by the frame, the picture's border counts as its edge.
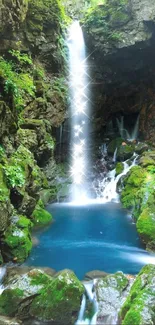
(22, 58)
(18, 84)
(15, 175)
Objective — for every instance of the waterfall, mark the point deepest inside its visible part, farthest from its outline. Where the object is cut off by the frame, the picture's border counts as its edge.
(2, 274)
(79, 102)
(124, 132)
(134, 134)
(108, 187)
(60, 140)
(91, 294)
(115, 155)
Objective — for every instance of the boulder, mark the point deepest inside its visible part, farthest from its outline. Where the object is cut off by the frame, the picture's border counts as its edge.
(139, 305)
(37, 295)
(111, 292)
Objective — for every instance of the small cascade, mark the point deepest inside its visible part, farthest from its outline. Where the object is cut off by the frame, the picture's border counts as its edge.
(134, 134)
(90, 293)
(115, 155)
(2, 274)
(108, 187)
(60, 140)
(124, 133)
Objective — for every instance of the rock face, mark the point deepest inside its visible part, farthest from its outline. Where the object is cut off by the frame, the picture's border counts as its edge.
(36, 295)
(111, 293)
(33, 102)
(139, 194)
(120, 39)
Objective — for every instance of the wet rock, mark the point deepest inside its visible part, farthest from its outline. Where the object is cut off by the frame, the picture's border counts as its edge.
(95, 275)
(35, 294)
(111, 293)
(62, 308)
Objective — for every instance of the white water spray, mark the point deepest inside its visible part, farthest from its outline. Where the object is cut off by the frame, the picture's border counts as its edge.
(2, 274)
(124, 132)
(90, 292)
(108, 186)
(79, 84)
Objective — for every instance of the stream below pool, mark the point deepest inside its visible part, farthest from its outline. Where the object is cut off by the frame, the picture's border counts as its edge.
(90, 237)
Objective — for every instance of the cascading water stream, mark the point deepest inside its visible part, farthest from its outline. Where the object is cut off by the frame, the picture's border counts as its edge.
(124, 132)
(79, 101)
(108, 187)
(90, 292)
(2, 274)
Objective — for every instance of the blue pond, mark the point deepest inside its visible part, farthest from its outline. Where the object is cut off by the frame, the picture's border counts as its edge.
(90, 237)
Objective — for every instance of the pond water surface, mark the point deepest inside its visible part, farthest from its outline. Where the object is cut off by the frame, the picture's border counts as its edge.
(90, 237)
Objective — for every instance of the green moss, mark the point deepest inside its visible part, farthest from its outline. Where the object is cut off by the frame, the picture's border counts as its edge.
(4, 191)
(15, 175)
(115, 143)
(132, 317)
(119, 168)
(137, 303)
(60, 300)
(107, 17)
(39, 278)
(17, 244)
(40, 216)
(146, 224)
(18, 84)
(9, 301)
(24, 223)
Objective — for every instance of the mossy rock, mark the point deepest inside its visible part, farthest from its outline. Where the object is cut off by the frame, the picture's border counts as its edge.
(9, 301)
(132, 184)
(147, 158)
(146, 224)
(115, 143)
(60, 300)
(16, 244)
(125, 151)
(40, 216)
(119, 168)
(138, 308)
(110, 291)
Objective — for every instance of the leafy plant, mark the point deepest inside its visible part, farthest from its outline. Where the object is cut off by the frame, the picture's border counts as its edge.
(23, 58)
(15, 175)
(19, 85)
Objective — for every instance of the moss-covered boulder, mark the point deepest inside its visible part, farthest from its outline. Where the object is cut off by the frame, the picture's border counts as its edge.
(139, 194)
(19, 287)
(138, 309)
(17, 243)
(40, 216)
(146, 223)
(132, 183)
(60, 300)
(35, 294)
(111, 292)
(147, 159)
(125, 150)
